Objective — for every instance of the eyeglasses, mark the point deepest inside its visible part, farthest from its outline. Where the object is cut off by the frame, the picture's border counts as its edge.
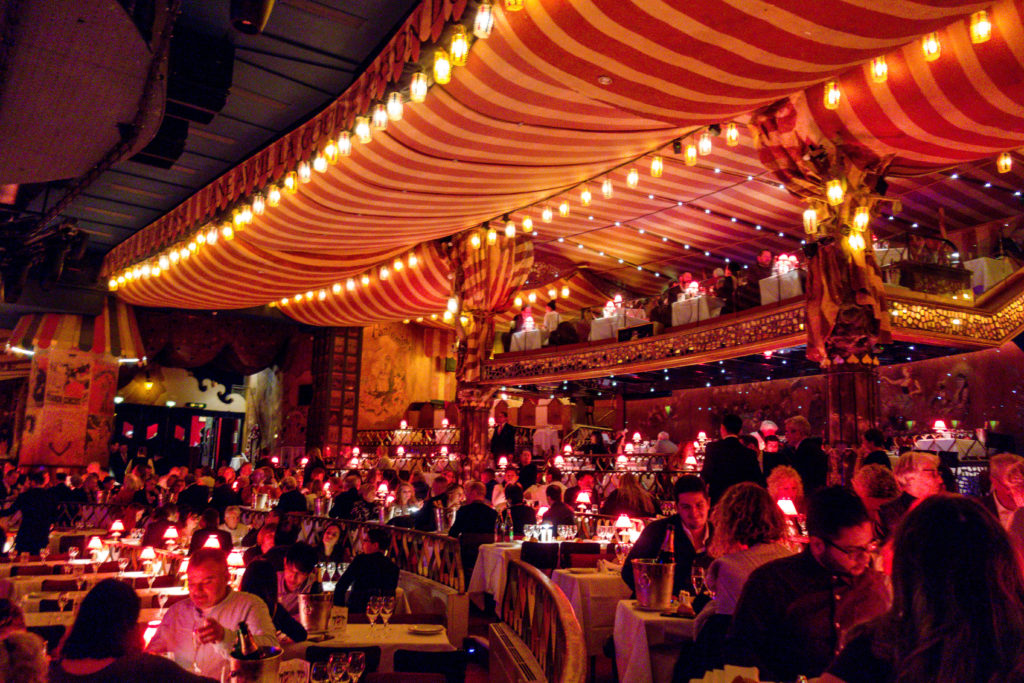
(856, 550)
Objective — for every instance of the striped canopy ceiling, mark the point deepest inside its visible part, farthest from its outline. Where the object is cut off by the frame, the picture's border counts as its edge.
(564, 92)
(114, 331)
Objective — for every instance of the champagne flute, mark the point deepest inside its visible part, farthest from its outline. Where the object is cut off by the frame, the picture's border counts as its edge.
(697, 576)
(122, 564)
(62, 601)
(162, 599)
(387, 608)
(150, 578)
(79, 571)
(372, 610)
(73, 553)
(331, 568)
(197, 641)
(338, 667)
(356, 665)
(319, 672)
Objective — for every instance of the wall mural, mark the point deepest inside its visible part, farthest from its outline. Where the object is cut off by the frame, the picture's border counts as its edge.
(921, 392)
(272, 397)
(402, 364)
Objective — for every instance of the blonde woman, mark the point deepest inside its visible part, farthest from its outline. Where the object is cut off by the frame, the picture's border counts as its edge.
(785, 482)
(629, 499)
(917, 474)
(405, 501)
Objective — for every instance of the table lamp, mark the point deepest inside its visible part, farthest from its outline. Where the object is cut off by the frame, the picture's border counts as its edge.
(444, 450)
(117, 528)
(171, 536)
(503, 462)
(403, 425)
(147, 556)
(787, 507)
(401, 451)
(623, 524)
(490, 421)
(559, 461)
(95, 547)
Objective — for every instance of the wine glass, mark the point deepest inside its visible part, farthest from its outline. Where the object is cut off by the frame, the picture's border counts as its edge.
(331, 567)
(372, 610)
(162, 599)
(122, 564)
(387, 608)
(79, 571)
(319, 672)
(197, 643)
(697, 576)
(337, 665)
(73, 552)
(150, 578)
(356, 665)
(44, 553)
(621, 551)
(62, 601)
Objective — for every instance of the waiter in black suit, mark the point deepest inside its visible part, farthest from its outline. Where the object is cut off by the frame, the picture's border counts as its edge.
(692, 534)
(727, 461)
(503, 438)
(806, 454)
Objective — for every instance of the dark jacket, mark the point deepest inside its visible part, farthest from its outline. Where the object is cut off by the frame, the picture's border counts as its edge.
(368, 573)
(503, 440)
(343, 502)
(649, 543)
(194, 498)
(812, 464)
(559, 514)
(223, 496)
(527, 475)
(728, 462)
(38, 509)
(522, 514)
(891, 514)
(292, 501)
(474, 518)
(877, 458)
(154, 534)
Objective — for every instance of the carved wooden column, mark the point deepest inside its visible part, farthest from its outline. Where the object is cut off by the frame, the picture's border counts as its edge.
(851, 376)
(334, 412)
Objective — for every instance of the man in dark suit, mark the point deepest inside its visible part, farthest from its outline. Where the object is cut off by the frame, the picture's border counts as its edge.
(38, 508)
(805, 452)
(370, 572)
(291, 499)
(873, 444)
(343, 502)
(503, 437)
(692, 534)
(528, 474)
(727, 461)
(558, 513)
(475, 516)
(195, 497)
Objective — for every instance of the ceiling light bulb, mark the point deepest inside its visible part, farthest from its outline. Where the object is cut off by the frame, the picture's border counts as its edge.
(931, 47)
(418, 87)
(395, 106)
(1004, 162)
(273, 195)
(861, 217)
(363, 129)
(565, 292)
(585, 195)
(380, 117)
(879, 70)
(492, 236)
(291, 182)
(459, 48)
(305, 172)
(691, 155)
(510, 229)
(563, 208)
(657, 167)
(732, 135)
(330, 152)
(981, 27)
(704, 144)
(211, 236)
(320, 163)
(442, 66)
(832, 95)
(365, 280)
(259, 204)
(384, 273)
(484, 21)
(413, 260)
(164, 262)
(606, 188)
(527, 225)
(633, 177)
(344, 143)
(810, 221)
(546, 214)
(226, 231)
(834, 192)
(350, 284)
(474, 240)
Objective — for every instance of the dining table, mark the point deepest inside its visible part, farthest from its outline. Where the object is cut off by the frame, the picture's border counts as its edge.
(594, 595)
(22, 586)
(490, 570)
(32, 602)
(781, 287)
(987, 272)
(419, 637)
(637, 632)
(526, 340)
(695, 309)
(608, 327)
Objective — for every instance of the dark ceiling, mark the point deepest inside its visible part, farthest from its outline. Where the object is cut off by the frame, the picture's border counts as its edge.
(308, 53)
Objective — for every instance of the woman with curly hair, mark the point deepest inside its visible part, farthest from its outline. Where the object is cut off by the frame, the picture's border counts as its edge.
(749, 531)
(784, 482)
(23, 658)
(957, 612)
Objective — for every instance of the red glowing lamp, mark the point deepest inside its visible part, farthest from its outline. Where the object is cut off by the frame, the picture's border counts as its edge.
(444, 450)
(147, 553)
(559, 461)
(354, 462)
(583, 498)
(304, 462)
(568, 449)
(622, 460)
(702, 436)
(940, 426)
(403, 425)
(623, 522)
(276, 460)
(490, 421)
(117, 527)
(356, 451)
(444, 423)
(171, 534)
(787, 507)
(95, 543)
(236, 559)
(382, 490)
(211, 542)
(691, 461)
(541, 511)
(503, 462)
(401, 450)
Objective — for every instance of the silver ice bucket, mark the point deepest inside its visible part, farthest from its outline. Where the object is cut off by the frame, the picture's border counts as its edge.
(262, 501)
(262, 670)
(654, 583)
(315, 611)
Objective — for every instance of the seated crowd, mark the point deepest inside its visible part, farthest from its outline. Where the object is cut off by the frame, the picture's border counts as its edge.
(892, 577)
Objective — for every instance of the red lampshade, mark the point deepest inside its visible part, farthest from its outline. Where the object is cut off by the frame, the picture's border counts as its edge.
(117, 527)
(691, 460)
(304, 462)
(95, 543)
(212, 542)
(503, 462)
(939, 426)
(623, 522)
(403, 425)
(559, 461)
(702, 436)
(583, 498)
(490, 421)
(401, 450)
(382, 489)
(276, 460)
(147, 553)
(235, 559)
(567, 449)
(444, 423)
(171, 534)
(787, 507)
(636, 437)
(444, 450)
(183, 567)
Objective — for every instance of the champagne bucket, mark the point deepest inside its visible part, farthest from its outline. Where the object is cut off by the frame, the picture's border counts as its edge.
(261, 501)
(318, 507)
(653, 583)
(315, 611)
(262, 670)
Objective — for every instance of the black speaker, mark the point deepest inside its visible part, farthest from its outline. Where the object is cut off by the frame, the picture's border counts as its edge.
(199, 74)
(250, 16)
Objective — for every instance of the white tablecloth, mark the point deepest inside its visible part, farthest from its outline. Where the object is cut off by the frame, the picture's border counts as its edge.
(67, 618)
(963, 447)
(490, 570)
(398, 637)
(30, 603)
(526, 340)
(545, 439)
(594, 596)
(23, 585)
(695, 309)
(781, 287)
(608, 328)
(636, 632)
(56, 536)
(987, 272)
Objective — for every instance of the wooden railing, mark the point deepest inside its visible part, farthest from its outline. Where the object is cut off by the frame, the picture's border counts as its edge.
(87, 515)
(431, 555)
(541, 616)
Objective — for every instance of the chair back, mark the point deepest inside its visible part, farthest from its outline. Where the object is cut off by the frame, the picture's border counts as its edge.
(322, 653)
(569, 549)
(451, 664)
(33, 570)
(71, 541)
(51, 634)
(587, 560)
(59, 585)
(543, 556)
(469, 547)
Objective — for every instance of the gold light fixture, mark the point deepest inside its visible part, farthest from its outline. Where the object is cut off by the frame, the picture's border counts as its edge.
(336, 288)
(395, 106)
(546, 214)
(633, 177)
(514, 5)
(474, 240)
(442, 66)
(398, 265)
(273, 195)
(484, 20)
(510, 228)
(319, 163)
(305, 172)
(879, 70)
(364, 280)
(321, 295)
(344, 143)
(931, 47)
(459, 48)
(981, 27)
(732, 135)
(259, 204)
(1004, 162)
(585, 195)
(380, 117)
(413, 260)
(527, 225)
(704, 144)
(606, 188)
(532, 298)
(657, 166)
(211, 236)
(552, 293)
(492, 236)
(691, 155)
(563, 209)
(418, 87)
(330, 152)
(519, 302)
(363, 129)
(834, 192)
(164, 262)
(855, 241)
(291, 182)
(565, 292)
(350, 284)
(832, 95)
(226, 231)
(861, 217)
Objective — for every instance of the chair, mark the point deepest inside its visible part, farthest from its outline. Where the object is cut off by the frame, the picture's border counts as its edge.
(71, 541)
(543, 556)
(321, 653)
(588, 560)
(51, 634)
(33, 570)
(569, 549)
(59, 585)
(469, 548)
(451, 664)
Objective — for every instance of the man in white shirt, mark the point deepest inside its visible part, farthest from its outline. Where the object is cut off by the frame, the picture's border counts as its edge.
(204, 628)
(999, 500)
(233, 525)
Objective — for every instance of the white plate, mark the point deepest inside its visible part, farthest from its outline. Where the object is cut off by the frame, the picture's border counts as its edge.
(425, 629)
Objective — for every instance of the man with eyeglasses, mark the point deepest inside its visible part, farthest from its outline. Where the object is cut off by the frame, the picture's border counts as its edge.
(794, 613)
